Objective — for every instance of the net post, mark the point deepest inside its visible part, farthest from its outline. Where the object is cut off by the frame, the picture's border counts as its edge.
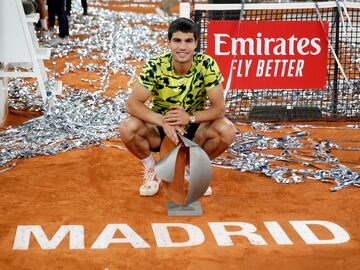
(336, 66)
(184, 10)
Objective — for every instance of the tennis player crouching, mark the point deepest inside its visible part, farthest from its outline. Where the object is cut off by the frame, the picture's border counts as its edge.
(179, 83)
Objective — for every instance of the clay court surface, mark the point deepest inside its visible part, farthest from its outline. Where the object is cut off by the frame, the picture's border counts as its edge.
(98, 186)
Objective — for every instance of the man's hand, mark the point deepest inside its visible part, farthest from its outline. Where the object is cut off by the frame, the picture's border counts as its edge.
(177, 116)
(173, 131)
(170, 131)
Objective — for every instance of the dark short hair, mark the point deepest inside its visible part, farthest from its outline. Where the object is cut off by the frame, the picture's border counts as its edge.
(184, 25)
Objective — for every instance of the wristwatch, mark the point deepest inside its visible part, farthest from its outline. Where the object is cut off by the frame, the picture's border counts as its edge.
(192, 118)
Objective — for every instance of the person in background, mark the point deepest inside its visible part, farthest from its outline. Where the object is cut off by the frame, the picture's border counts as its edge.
(84, 6)
(57, 7)
(179, 84)
(42, 10)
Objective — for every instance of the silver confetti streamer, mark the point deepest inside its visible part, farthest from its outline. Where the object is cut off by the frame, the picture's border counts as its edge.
(244, 157)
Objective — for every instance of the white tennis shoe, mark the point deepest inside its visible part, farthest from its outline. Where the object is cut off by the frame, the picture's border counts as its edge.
(208, 192)
(151, 183)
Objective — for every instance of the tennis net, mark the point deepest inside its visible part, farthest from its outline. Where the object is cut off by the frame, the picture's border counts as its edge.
(341, 97)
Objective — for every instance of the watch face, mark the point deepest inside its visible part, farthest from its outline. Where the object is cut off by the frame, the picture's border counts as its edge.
(192, 118)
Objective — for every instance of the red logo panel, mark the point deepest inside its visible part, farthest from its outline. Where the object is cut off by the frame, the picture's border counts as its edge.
(270, 54)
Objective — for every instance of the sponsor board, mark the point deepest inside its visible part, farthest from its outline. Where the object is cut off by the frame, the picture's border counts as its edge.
(270, 54)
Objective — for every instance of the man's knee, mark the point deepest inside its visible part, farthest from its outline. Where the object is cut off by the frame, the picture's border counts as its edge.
(129, 127)
(226, 130)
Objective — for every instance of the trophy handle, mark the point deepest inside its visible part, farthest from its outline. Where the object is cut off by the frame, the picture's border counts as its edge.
(176, 190)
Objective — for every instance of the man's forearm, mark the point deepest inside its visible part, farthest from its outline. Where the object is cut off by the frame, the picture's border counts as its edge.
(141, 111)
(210, 114)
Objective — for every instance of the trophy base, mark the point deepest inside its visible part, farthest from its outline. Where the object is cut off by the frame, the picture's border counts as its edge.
(192, 209)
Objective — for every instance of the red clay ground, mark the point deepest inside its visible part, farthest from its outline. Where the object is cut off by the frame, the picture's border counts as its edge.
(98, 186)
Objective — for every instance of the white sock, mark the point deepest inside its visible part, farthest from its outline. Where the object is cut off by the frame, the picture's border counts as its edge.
(149, 162)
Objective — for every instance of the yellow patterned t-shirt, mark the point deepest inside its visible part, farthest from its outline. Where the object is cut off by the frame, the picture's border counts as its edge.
(188, 91)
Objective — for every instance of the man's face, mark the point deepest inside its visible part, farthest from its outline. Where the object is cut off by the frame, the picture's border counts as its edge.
(182, 46)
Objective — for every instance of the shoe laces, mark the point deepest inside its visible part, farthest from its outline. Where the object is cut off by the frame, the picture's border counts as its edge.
(149, 176)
